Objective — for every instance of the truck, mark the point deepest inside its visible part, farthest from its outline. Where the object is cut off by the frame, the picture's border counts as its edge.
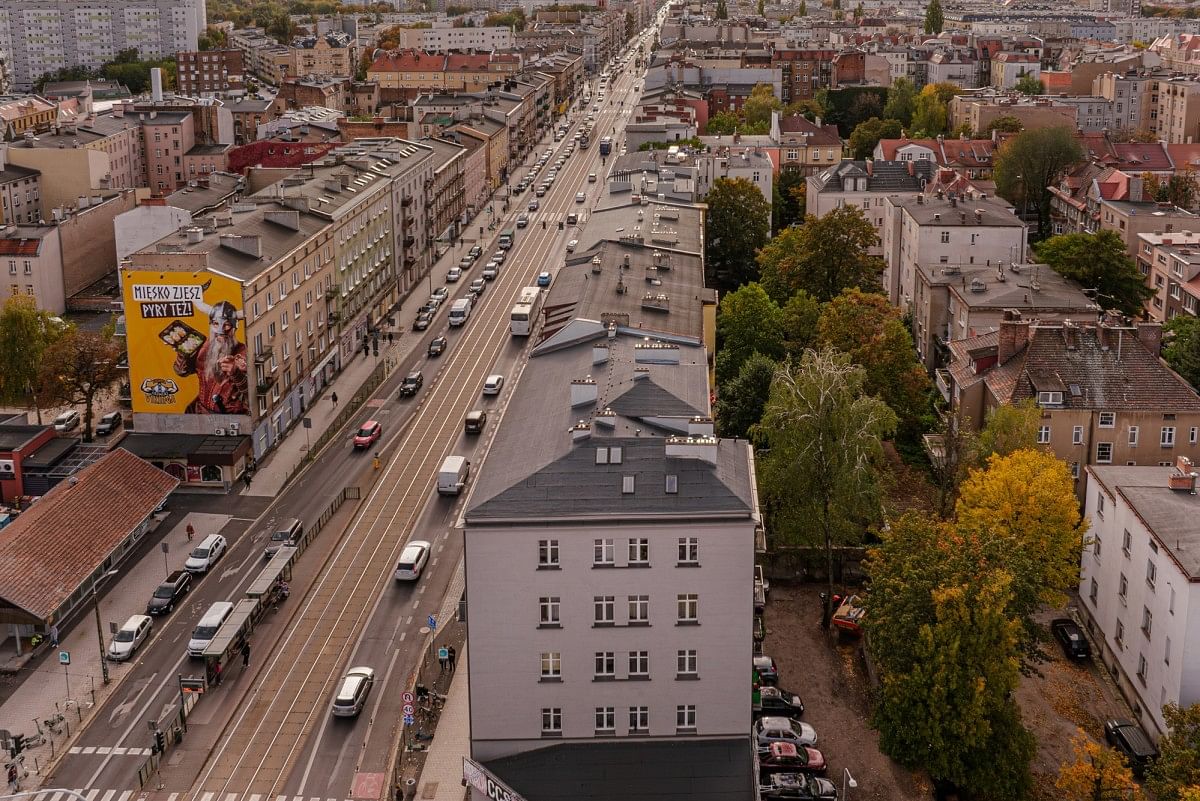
(452, 476)
(507, 237)
(460, 310)
(605, 145)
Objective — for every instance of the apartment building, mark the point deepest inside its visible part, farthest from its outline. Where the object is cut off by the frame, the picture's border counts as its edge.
(1175, 110)
(20, 195)
(867, 185)
(43, 36)
(262, 56)
(206, 72)
(1009, 68)
(1099, 387)
(803, 71)
(27, 114)
(330, 54)
(1130, 93)
(1137, 582)
(973, 158)
(808, 146)
(415, 70)
(621, 646)
(446, 198)
(978, 111)
(1171, 263)
(444, 36)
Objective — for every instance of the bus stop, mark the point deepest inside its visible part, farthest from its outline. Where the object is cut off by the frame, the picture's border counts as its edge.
(279, 568)
(229, 638)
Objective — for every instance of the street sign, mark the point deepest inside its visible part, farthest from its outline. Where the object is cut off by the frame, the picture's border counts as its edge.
(409, 710)
(408, 720)
(64, 657)
(306, 422)
(409, 698)
(432, 622)
(112, 627)
(443, 653)
(166, 548)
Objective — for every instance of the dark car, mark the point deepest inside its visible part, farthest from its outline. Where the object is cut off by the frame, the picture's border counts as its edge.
(411, 384)
(438, 346)
(478, 285)
(768, 673)
(475, 252)
(778, 703)
(1074, 644)
(799, 786)
(475, 421)
(423, 320)
(167, 594)
(1128, 738)
(788, 758)
(108, 424)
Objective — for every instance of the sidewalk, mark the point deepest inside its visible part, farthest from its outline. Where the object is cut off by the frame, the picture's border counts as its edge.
(441, 778)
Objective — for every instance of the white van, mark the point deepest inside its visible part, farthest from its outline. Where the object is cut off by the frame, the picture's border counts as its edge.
(206, 629)
(453, 476)
(460, 310)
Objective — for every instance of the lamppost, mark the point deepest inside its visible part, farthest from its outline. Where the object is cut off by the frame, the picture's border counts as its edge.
(847, 781)
(99, 628)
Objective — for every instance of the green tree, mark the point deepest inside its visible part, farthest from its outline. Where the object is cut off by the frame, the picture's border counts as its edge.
(1178, 765)
(77, 367)
(756, 111)
(739, 222)
(1008, 428)
(867, 134)
(864, 106)
(1032, 161)
(901, 101)
(823, 257)
(787, 205)
(1098, 261)
(761, 8)
(748, 322)
(1029, 85)
(1181, 348)
(803, 10)
(212, 39)
(823, 433)
(799, 319)
(953, 451)
(930, 116)
(1097, 774)
(934, 19)
(1006, 123)
(1181, 188)
(740, 402)
(25, 333)
(723, 123)
(722, 11)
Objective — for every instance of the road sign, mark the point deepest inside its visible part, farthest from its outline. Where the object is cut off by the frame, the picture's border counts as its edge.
(408, 710)
(408, 720)
(443, 653)
(432, 622)
(306, 422)
(166, 547)
(64, 657)
(409, 698)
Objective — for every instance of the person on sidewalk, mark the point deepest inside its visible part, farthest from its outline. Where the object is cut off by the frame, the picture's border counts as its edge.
(245, 654)
(334, 399)
(246, 478)
(54, 635)
(191, 532)
(452, 656)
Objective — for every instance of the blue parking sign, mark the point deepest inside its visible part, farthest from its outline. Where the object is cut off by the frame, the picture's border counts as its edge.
(432, 622)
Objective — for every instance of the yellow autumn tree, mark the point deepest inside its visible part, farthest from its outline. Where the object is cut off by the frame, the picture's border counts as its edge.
(1097, 774)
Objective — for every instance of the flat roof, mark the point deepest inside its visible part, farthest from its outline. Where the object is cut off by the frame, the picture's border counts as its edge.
(1170, 515)
(14, 435)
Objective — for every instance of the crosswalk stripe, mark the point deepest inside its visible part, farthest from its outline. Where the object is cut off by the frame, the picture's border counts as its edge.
(91, 794)
(91, 749)
(108, 794)
(256, 797)
(231, 797)
(118, 750)
(172, 796)
(125, 795)
(103, 749)
(56, 796)
(207, 797)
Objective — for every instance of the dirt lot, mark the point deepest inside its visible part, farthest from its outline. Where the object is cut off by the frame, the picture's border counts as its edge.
(831, 679)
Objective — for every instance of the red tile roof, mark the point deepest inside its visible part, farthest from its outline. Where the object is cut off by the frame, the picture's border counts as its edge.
(54, 547)
(20, 247)
(467, 61)
(1143, 156)
(407, 61)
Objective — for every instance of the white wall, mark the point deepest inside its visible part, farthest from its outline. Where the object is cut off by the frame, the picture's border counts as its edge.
(141, 227)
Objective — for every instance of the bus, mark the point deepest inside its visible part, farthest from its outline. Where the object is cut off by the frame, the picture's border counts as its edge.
(606, 146)
(524, 314)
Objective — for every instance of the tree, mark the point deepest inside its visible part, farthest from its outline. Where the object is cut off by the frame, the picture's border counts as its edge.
(1097, 774)
(1027, 84)
(871, 332)
(77, 366)
(799, 318)
(722, 11)
(723, 123)
(762, 8)
(787, 204)
(748, 322)
(864, 106)
(1181, 348)
(803, 10)
(1181, 188)
(823, 435)
(740, 402)
(1178, 766)
(212, 39)
(1006, 123)
(934, 19)
(1032, 161)
(867, 134)
(1008, 428)
(739, 222)
(757, 108)
(823, 257)
(25, 333)
(901, 100)
(930, 116)
(1098, 261)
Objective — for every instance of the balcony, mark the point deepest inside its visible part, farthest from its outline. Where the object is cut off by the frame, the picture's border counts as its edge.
(406, 201)
(409, 241)
(265, 382)
(264, 355)
(332, 292)
(944, 382)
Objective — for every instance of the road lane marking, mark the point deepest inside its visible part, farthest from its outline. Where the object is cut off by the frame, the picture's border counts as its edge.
(108, 794)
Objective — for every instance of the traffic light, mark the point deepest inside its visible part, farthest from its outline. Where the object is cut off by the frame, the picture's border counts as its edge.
(160, 742)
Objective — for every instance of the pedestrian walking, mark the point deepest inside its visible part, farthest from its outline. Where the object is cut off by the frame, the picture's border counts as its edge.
(191, 532)
(246, 478)
(245, 654)
(443, 658)
(54, 635)
(452, 656)
(217, 674)
(334, 399)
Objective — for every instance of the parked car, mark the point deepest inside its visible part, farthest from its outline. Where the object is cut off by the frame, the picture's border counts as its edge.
(493, 384)
(1128, 738)
(797, 787)
(127, 639)
(544, 278)
(368, 434)
(580, 197)
(412, 560)
(440, 294)
(591, 178)
(438, 346)
(787, 758)
(423, 320)
(205, 555)
(783, 730)
(411, 384)
(475, 421)
(453, 275)
(774, 702)
(465, 263)
(499, 256)
(67, 421)
(353, 691)
(167, 594)
(108, 424)
(1070, 636)
(475, 252)
(571, 245)
(768, 673)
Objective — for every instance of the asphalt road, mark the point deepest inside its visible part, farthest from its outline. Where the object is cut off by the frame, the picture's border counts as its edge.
(267, 729)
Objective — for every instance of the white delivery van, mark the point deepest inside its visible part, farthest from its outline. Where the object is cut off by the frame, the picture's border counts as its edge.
(204, 632)
(460, 310)
(453, 475)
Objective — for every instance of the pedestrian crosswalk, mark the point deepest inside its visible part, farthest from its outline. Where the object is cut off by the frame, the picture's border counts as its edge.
(134, 795)
(105, 750)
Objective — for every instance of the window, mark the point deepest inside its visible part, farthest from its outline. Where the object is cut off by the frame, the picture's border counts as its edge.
(1147, 621)
(1100, 503)
(548, 608)
(1167, 437)
(1077, 435)
(603, 552)
(1171, 599)
(551, 721)
(1050, 398)
(606, 720)
(606, 665)
(1141, 671)
(1126, 542)
(639, 610)
(1108, 419)
(605, 606)
(685, 717)
(1151, 573)
(1096, 544)
(689, 551)
(1043, 435)
(1119, 636)
(1104, 452)
(1074, 469)
(1192, 432)
(687, 664)
(548, 553)
(1167, 652)
(688, 608)
(945, 237)
(1094, 591)
(1123, 588)
(639, 552)
(639, 664)
(1133, 436)
(639, 719)
(551, 665)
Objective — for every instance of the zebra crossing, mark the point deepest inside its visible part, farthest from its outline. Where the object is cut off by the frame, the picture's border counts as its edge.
(128, 795)
(105, 750)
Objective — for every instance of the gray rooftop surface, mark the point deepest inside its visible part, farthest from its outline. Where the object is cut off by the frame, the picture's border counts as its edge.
(1169, 514)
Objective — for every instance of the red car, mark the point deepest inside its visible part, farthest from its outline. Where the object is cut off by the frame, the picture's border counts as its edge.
(368, 434)
(786, 758)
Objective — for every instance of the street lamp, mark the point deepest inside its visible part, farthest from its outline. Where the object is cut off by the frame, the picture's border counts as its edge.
(99, 628)
(847, 781)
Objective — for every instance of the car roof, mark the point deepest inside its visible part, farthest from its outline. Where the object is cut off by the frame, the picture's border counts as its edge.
(414, 374)
(492, 378)
(784, 750)
(780, 722)
(370, 424)
(475, 414)
(414, 546)
(134, 621)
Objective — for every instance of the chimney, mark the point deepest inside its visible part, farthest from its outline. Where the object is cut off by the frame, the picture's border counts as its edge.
(599, 352)
(1014, 335)
(700, 427)
(1150, 335)
(1182, 477)
(911, 170)
(156, 92)
(870, 168)
(584, 392)
(580, 431)
(701, 448)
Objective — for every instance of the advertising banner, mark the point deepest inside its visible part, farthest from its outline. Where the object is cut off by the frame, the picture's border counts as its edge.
(486, 782)
(186, 337)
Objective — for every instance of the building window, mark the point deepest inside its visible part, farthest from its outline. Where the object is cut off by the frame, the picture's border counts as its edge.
(688, 608)
(639, 719)
(639, 552)
(1126, 542)
(1119, 636)
(1133, 436)
(1147, 621)
(1123, 589)
(606, 665)
(685, 717)
(1096, 545)
(1043, 435)
(1108, 419)
(1167, 651)
(1050, 398)
(689, 551)
(551, 721)
(548, 611)
(548, 553)
(1167, 437)
(1074, 469)
(1151, 573)
(1141, 671)
(603, 552)
(639, 610)
(606, 720)
(1077, 435)
(1094, 591)
(687, 664)
(639, 664)
(551, 665)
(945, 237)
(1192, 433)
(605, 607)
(1104, 452)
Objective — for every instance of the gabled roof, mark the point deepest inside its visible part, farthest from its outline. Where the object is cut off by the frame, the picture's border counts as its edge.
(1143, 156)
